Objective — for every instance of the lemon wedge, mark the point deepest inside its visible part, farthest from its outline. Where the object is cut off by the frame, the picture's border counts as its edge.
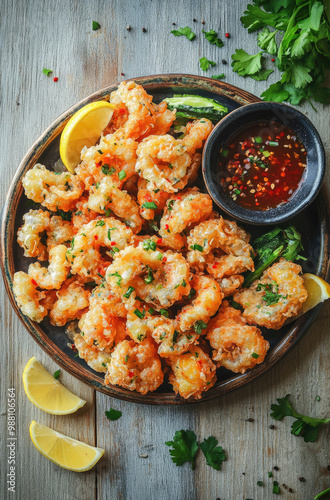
(83, 129)
(47, 393)
(63, 450)
(318, 291)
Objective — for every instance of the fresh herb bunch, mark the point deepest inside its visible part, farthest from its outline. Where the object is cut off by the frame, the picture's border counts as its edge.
(307, 427)
(303, 54)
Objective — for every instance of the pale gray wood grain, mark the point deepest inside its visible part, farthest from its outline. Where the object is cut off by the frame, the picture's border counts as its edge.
(58, 35)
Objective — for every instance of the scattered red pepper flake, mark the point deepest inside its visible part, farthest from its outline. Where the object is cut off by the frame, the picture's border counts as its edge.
(55, 79)
(131, 374)
(159, 241)
(34, 282)
(96, 237)
(113, 243)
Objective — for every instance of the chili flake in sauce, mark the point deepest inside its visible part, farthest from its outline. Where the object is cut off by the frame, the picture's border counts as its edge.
(261, 167)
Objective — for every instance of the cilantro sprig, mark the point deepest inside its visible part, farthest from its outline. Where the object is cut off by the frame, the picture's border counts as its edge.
(303, 53)
(187, 32)
(205, 63)
(307, 427)
(185, 446)
(212, 37)
(113, 414)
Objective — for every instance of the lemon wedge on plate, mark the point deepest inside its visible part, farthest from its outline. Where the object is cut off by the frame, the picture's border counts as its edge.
(318, 291)
(83, 129)
(47, 393)
(63, 450)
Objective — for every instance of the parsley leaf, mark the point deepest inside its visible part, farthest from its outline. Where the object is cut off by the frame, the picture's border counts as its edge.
(211, 36)
(271, 295)
(95, 26)
(47, 72)
(218, 77)
(199, 326)
(184, 447)
(266, 41)
(246, 64)
(307, 427)
(113, 414)
(298, 75)
(205, 63)
(214, 454)
(184, 32)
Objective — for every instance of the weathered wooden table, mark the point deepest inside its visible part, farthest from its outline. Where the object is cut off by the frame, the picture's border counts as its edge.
(58, 35)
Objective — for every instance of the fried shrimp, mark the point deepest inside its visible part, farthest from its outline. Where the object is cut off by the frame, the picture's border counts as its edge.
(52, 190)
(29, 235)
(145, 196)
(163, 162)
(158, 278)
(224, 235)
(107, 196)
(82, 215)
(110, 158)
(51, 278)
(85, 255)
(141, 111)
(196, 134)
(99, 326)
(59, 232)
(237, 346)
(28, 298)
(230, 284)
(206, 303)
(96, 359)
(192, 373)
(278, 295)
(164, 119)
(135, 367)
(72, 300)
(181, 211)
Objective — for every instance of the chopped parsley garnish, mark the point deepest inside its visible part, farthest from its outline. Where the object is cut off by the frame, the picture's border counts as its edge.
(149, 245)
(184, 32)
(122, 175)
(72, 243)
(218, 77)
(276, 488)
(79, 212)
(197, 247)
(163, 312)
(260, 483)
(113, 414)
(100, 152)
(139, 314)
(95, 26)
(175, 336)
(47, 72)
(212, 37)
(109, 232)
(57, 374)
(108, 170)
(129, 291)
(118, 276)
(170, 205)
(214, 454)
(270, 296)
(150, 204)
(184, 447)
(205, 63)
(307, 427)
(100, 223)
(150, 276)
(192, 293)
(199, 326)
(180, 284)
(151, 310)
(255, 355)
(108, 212)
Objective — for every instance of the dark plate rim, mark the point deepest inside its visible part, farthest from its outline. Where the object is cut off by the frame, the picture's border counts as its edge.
(298, 330)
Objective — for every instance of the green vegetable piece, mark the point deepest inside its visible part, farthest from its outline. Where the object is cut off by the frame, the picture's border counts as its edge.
(149, 245)
(64, 215)
(184, 32)
(199, 326)
(266, 41)
(190, 107)
(260, 483)
(205, 63)
(95, 26)
(122, 175)
(276, 488)
(150, 204)
(214, 454)
(218, 77)
(258, 140)
(129, 292)
(255, 355)
(47, 72)
(246, 64)
(113, 414)
(307, 427)
(322, 494)
(106, 170)
(57, 374)
(139, 314)
(212, 37)
(184, 447)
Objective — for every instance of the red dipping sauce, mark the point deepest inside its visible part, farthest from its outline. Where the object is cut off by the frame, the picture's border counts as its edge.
(262, 166)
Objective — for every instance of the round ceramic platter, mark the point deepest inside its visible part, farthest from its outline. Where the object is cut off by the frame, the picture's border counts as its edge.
(313, 223)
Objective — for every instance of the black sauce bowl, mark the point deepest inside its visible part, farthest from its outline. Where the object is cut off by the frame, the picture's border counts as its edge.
(270, 112)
